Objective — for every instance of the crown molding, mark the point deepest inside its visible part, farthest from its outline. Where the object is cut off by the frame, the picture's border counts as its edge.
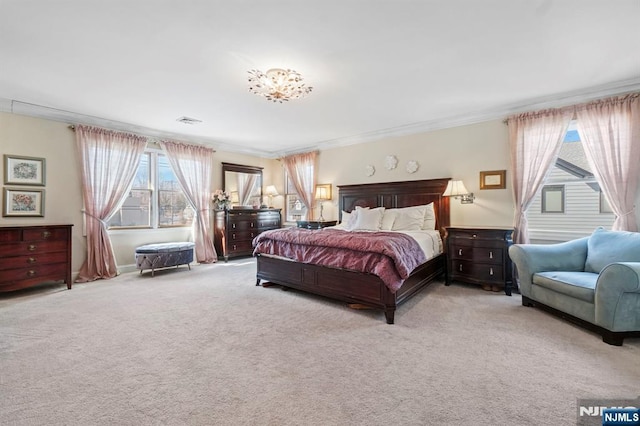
(463, 119)
(500, 113)
(47, 113)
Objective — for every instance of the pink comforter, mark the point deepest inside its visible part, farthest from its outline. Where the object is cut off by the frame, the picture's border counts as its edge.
(390, 255)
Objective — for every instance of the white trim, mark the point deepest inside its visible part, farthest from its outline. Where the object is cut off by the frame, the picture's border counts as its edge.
(462, 119)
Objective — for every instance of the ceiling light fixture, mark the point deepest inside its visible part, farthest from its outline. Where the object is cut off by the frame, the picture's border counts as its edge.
(278, 85)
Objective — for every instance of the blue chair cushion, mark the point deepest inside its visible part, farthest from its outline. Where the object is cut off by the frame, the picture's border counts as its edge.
(606, 247)
(579, 285)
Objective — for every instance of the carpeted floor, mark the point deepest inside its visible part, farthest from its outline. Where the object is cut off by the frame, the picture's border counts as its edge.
(208, 347)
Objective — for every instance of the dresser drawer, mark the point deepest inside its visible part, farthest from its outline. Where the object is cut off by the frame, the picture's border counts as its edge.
(35, 247)
(44, 234)
(10, 235)
(243, 225)
(242, 235)
(477, 271)
(53, 271)
(35, 259)
(240, 247)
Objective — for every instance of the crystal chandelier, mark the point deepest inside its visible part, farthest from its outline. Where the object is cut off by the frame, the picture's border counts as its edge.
(278, 85)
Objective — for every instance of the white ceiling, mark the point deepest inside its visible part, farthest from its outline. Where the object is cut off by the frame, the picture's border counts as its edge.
(378, 67)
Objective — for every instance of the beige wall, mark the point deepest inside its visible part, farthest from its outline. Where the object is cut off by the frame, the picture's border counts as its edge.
(459, 153)
(54, 141)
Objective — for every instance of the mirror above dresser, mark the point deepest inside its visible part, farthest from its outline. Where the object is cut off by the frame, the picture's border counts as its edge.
(244, 183)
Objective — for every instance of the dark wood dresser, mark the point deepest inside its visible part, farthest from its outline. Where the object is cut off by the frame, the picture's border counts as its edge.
(235, 229)
(479, 256)
(31, 255)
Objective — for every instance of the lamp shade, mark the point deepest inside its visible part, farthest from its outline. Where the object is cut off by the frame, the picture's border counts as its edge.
(323, 192)
(455, 188)
(271, 190)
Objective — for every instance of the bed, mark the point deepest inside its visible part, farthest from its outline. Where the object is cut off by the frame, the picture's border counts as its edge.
(364, 288)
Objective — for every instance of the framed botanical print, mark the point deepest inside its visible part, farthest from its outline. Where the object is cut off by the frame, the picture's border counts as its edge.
(23, 202)
(24, 170)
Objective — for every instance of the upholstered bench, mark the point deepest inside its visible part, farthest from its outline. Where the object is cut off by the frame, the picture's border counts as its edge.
(164, 255)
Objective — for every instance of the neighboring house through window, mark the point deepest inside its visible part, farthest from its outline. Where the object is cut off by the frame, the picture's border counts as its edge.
(570, 204)
(294, 208)
(156, 199)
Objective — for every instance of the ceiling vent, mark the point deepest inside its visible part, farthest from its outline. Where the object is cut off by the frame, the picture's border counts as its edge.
(188, 120)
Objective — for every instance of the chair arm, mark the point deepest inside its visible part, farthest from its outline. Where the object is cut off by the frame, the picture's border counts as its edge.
(532, 258)
(617, 297)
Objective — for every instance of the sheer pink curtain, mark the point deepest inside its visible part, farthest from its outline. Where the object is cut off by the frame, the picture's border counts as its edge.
(610, 133)
(246, 185)
(301, 169)
(535, 140)
(108, 161)
(192, 166)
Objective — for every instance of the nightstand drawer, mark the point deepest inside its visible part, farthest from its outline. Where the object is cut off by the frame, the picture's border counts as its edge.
(478, 271)
(477, 254)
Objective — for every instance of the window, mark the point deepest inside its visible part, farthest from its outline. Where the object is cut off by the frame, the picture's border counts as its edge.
(146, 208)
(553, 199)
(570, 203)
(294, 208)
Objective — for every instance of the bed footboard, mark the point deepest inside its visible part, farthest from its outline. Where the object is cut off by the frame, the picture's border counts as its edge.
(345, 285)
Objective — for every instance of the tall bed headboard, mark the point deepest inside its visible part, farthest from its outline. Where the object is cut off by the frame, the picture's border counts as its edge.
(398, 194)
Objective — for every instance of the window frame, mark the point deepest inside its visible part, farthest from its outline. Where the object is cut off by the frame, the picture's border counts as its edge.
(154, 198)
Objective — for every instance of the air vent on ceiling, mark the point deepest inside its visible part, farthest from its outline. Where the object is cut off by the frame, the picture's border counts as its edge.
(188, 120)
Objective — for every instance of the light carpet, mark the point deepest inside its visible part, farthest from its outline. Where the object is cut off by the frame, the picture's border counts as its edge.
(208, 347)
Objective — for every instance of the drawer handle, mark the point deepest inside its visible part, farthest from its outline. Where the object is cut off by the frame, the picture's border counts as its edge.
(31, 260)
(233, 225)
(233, 236)
(252, 224)
(475, 235)
(32, 247)
(460, 267)
(252, 235)
(46, 234)
(234, 247)
(490, 255)
(459, 252)
(490, 271)
(31, 273)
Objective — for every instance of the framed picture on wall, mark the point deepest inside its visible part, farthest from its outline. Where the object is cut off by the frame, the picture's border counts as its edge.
(23, 202)
(24, 170)
(494, 179)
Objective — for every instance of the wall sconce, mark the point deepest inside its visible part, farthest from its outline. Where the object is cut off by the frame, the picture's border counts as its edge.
(270, 191)
(456, 189)
(323, 193)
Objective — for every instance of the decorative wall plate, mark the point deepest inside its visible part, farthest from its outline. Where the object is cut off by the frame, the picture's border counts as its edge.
(370, 170)
(412, 166)
(390, 162)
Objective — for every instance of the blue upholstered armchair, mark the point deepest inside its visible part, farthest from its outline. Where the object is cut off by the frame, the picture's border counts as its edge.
(593, 281)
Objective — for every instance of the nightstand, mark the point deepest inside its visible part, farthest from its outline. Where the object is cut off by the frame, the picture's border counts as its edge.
(479, 256)
(314, 224)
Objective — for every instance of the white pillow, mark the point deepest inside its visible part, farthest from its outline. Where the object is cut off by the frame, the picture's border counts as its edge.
(368, 219)
(429, 217)
(388, 218)
(409, 218)
(346, 217)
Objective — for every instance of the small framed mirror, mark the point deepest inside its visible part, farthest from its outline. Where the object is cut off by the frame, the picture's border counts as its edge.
(244, 183)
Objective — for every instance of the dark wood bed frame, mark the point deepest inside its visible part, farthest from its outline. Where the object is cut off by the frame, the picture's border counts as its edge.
(364, 288)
